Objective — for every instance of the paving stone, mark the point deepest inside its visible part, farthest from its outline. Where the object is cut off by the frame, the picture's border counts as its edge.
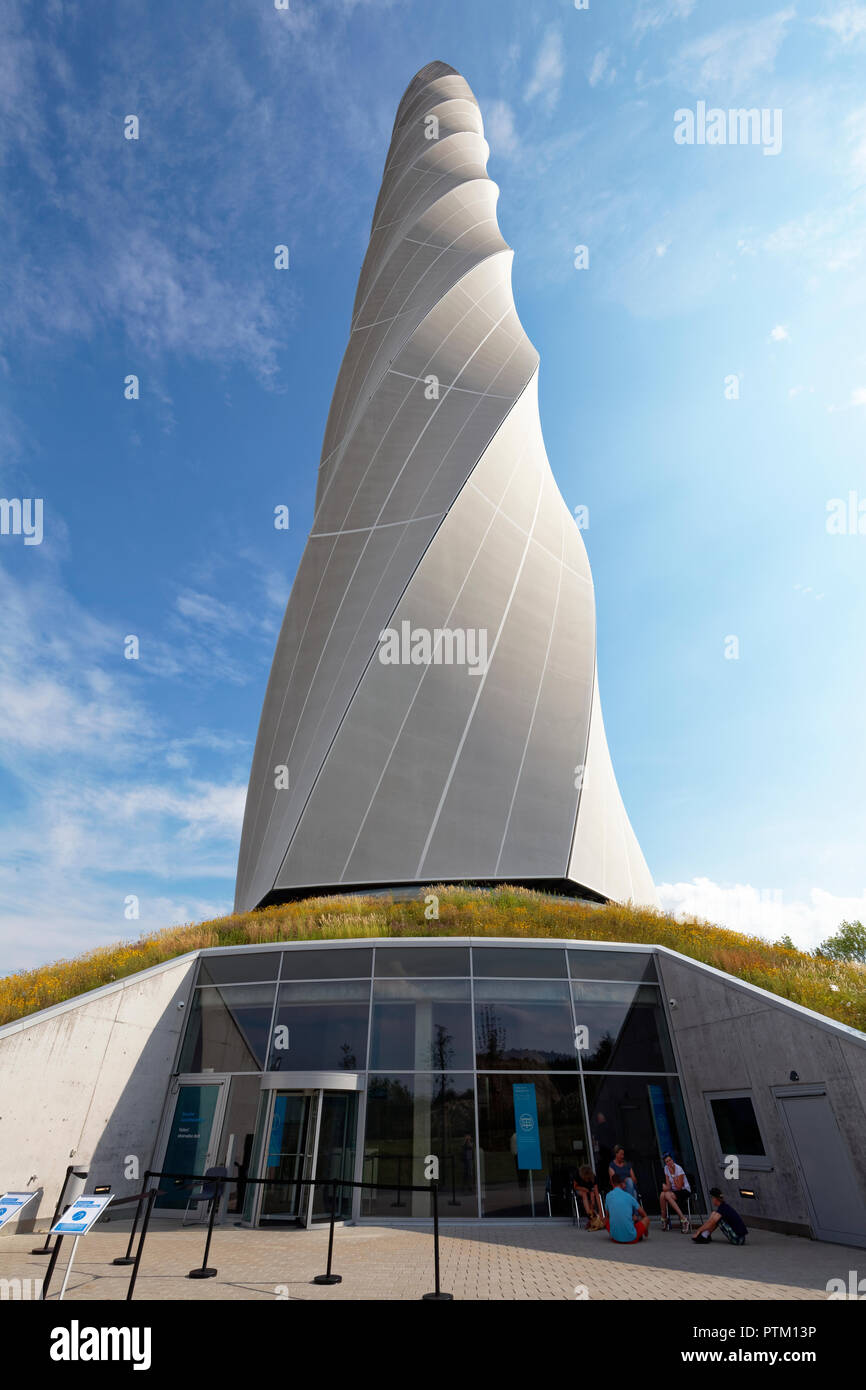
(396, 1262)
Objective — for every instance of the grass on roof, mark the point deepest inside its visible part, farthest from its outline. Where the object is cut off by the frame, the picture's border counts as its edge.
(834, 988)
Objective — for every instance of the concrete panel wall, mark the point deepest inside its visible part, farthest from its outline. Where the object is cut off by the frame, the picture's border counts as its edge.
(732, 1038)
(86, 1084)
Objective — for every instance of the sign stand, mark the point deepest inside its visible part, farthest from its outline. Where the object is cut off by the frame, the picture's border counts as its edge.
(76, 1221)
(68, 1268)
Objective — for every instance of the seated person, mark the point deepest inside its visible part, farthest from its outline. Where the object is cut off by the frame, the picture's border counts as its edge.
(586, 1186)
(730, 1222)
(675, 1181)
(627, 1222)
(621, 1169)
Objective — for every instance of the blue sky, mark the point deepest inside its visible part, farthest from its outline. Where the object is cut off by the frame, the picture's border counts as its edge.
(743, 778)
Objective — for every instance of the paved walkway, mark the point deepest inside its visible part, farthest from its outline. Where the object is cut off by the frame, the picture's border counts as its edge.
(477, 1262)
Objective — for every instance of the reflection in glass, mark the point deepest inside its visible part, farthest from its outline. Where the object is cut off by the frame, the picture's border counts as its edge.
(409, 1117)
(587, 964)
(188, 1143)
(523, 1023)
(507, 1189)
(407, 962)
(347, 963)
(626, 1025)
(246, 967)
(227, 1028)
(236, 1141)
(289, 1157)
(531, 962)
(421, 1025)
(737, 1126)
(321, 1026)
(646, 1116)
(335, 1157)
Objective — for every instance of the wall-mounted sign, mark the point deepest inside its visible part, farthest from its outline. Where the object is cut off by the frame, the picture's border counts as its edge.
(526, 1125)
(13, 1202)
(81, 1215)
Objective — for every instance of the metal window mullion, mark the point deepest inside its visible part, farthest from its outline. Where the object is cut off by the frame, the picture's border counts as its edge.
(479, 1208)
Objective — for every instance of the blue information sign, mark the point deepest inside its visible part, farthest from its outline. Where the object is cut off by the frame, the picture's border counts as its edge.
(526, 1125)
(81, 1215)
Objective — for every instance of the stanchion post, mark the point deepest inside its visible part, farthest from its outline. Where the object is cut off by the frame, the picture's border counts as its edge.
(51, 1263)
(151, 1197)
(454, 1202)
(47, 1248)
(127, 1258)
(328, 1277)
(437, 1296)
(205, 1272)
(398, 1203)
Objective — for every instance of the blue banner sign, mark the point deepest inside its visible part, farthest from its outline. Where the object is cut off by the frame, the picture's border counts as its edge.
(526, 1125)
(660, 1118)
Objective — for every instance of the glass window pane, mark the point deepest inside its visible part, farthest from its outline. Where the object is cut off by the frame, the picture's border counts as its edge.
(737, 1126)
(507, 1187)
(227, 1029)
(409, 1117)
(238, 968)
(321, 1025)
(188, 1143)
(407, 961)
(323, 991)
(239, 1125)
(626, 1027)
(523, 1023)
(647, 1117)
(336, 1154)
(587, 964)
(343, 963)
(421, 1025)
(528, 961)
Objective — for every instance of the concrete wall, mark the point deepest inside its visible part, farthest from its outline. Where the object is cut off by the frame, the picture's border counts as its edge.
(731, 1037)
(85, 1083)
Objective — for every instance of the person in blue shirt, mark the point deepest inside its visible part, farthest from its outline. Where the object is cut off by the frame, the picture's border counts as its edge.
(626, 1221)
(726, 1218)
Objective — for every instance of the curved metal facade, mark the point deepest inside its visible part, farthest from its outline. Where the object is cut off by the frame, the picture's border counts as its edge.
(437, 513)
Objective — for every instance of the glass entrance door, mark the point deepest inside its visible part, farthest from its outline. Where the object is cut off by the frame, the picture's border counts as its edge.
(289, 1157)
(190, 1140)
(308, 1134)
(335, 1157)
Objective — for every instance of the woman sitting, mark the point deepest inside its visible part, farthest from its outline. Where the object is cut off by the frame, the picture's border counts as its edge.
(586, 1186)
(621, 1170)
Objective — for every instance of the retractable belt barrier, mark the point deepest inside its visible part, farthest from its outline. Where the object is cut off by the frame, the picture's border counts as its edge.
(205, 1271)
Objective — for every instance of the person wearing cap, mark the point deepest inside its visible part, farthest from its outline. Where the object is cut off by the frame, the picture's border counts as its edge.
(676, 1184)
(723, 1215)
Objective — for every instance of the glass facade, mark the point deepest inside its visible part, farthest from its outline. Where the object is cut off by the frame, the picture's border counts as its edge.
(512, 1064)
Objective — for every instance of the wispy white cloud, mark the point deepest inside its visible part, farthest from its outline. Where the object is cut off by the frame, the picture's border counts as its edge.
(161, 258)
(499, 128)
(547, 72)
(847, 22)
(733, 56)
(652, 14)
(101, 798)
(779, 334)
(601, 69)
